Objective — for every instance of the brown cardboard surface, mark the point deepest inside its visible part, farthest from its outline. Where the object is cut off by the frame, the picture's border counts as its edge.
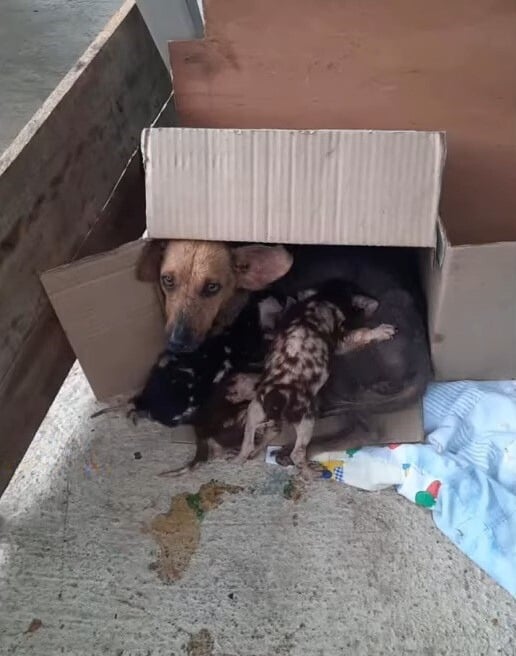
(398, 427)
(114, 323)
(288, 186)
(472, 312)
(404, 64)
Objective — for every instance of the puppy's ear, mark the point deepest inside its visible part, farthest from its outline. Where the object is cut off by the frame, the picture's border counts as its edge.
(257, 266)
(365, 303)
(149, 262)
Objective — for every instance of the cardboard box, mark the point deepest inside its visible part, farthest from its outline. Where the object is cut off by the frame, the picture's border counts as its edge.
(334, 187)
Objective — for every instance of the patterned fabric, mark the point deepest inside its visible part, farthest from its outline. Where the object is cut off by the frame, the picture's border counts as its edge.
(466, 473)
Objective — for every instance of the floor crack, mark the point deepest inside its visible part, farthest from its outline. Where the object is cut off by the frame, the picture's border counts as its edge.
(63, 538)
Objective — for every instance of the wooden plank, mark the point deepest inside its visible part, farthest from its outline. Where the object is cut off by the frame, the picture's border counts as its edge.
(404, 64)
(57, 199)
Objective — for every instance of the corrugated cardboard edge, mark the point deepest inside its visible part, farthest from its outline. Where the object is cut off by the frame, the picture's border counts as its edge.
(472, 312)
(359, 187)
(113, 322)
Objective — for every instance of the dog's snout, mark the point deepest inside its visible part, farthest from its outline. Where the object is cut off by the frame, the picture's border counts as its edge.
(181, 338)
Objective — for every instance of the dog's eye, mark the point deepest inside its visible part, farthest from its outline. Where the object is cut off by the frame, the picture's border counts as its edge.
(211, 288)
(167, 281)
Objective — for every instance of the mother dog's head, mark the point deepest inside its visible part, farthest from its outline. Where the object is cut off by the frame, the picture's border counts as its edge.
(200, 279)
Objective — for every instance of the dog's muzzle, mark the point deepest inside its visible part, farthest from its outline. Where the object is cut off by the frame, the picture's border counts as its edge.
(181, 339)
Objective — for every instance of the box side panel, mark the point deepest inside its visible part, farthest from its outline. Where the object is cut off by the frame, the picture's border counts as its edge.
(397, 427)
(392, 65)
(113, 322)
(473, 317)
(58, 202)
(330, 186)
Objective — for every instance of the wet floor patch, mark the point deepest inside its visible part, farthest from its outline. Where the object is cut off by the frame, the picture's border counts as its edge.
(294, 488)
(178, 531)
(200, 644)
(272, 483)
(34, 626)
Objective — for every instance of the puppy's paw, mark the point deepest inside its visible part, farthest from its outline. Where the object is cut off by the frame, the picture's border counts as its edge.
(316, 468)
(231, 454)
(241, 457)
(298, 457)
(309, 473)
(384, 332)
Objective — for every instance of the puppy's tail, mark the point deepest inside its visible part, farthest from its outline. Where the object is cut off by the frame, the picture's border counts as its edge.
(202, 454)
(111, 408)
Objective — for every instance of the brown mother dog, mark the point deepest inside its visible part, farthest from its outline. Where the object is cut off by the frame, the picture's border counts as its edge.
(205, 284)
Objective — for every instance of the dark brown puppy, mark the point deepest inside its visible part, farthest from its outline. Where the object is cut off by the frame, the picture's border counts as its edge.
(219, 423)
(390, 375)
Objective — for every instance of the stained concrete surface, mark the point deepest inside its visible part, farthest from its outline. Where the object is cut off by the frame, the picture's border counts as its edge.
(39, 41)
(338, 572)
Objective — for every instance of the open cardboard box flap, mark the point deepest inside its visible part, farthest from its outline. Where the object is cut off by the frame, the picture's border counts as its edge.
(471, 294)
(267, 186)
(375, 188)
(113, 322)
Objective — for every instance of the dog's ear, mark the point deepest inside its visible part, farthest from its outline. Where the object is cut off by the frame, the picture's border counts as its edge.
(149, 262)
(257, 266)
(367, 304)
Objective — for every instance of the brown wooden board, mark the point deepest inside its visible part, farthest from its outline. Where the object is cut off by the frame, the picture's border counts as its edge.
(405, 64)
(55, 183)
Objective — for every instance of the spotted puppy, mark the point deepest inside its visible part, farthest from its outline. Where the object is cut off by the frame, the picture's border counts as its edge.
(297, 364)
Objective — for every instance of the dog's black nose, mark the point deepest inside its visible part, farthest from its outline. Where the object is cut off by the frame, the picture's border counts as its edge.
(181, 339)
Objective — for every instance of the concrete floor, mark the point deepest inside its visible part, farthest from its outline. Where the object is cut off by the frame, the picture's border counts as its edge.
(337, 572)
(39, 42)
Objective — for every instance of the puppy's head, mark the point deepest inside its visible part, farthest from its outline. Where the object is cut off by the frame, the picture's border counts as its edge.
(200, 278)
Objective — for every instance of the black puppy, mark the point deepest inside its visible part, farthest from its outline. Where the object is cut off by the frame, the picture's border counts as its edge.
(180, 383)
(390, 375)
